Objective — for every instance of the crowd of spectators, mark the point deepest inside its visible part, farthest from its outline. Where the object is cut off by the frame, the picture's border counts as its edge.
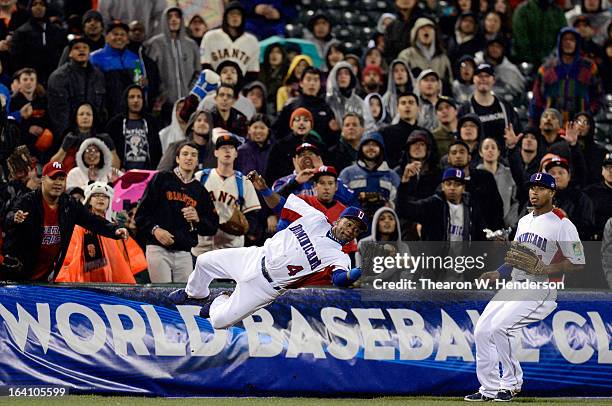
(420, 128)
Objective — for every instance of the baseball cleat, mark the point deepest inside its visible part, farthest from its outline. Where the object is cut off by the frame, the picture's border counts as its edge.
(180, 297)
(205, 311)
(504, 395)
(477, 397)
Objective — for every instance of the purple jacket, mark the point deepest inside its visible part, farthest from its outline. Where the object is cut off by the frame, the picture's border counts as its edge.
(253, 157)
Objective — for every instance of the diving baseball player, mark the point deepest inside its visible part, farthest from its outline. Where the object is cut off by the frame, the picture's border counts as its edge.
(545, 246)
(286, 261)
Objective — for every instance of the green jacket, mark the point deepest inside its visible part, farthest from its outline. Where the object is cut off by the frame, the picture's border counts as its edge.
(535, 31)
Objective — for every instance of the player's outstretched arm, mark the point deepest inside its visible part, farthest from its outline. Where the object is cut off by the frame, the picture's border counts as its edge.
(343, 279)
(273, 200)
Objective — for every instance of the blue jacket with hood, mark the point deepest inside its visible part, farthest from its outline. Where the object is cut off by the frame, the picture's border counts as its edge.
(380, 179)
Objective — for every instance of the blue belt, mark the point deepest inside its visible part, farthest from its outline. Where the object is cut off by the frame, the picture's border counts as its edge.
(266, 275)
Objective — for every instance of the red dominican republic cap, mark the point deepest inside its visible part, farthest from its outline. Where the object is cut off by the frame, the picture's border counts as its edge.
(556, 161)
(53, 168)
(325, 170)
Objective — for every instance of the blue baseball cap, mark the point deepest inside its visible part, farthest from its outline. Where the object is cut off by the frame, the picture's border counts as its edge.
(454, 174)
(542, 179)
(356, 213)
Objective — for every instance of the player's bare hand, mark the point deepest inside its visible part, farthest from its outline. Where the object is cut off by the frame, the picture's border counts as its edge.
(163, 236)
(257, 180)
(272, 222)
(491, 276)
(304, 175)
(20, 216)
(123, 233)
(190, 214)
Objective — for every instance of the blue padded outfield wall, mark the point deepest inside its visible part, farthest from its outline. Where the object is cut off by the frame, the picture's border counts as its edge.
(311, 342)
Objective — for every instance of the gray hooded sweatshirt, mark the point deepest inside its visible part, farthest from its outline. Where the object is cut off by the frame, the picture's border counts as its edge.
(390, 96)
(341, 102)
(178, 59)
(372, 246)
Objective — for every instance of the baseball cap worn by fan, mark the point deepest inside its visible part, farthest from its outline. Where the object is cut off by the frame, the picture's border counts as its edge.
(117, 24)
(54, 168)
(307, 147)
(427, 72)
(357, 214)
(76, 40)
(608, 159)
(325, 170)
(556, 161)
(484, 68)
(447, 100)
(227, 139)
(542, 179)
(453, 174)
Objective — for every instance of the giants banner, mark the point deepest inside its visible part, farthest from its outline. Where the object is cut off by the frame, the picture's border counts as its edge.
(311, 342)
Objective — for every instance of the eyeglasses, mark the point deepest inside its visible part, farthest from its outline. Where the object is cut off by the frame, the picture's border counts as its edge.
(92, 150)
(582, 122)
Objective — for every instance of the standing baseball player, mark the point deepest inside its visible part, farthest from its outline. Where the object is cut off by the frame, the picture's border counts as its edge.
(286, 261)
(546, 246)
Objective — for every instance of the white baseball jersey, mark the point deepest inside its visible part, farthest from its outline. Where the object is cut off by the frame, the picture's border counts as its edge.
(217, 47)
(224, 194)
(553, 237)
(305, 247)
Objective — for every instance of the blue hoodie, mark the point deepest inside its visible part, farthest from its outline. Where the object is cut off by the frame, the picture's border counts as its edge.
(380, 179)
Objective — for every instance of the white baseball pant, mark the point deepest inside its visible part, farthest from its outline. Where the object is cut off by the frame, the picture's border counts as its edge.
(495, 332)
(253, 291)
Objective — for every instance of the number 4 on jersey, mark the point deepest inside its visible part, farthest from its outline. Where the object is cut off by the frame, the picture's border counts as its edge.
(293, 269)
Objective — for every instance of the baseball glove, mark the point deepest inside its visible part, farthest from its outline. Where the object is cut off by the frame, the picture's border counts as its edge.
(237, 224)
(20, 161)
(521, 257)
